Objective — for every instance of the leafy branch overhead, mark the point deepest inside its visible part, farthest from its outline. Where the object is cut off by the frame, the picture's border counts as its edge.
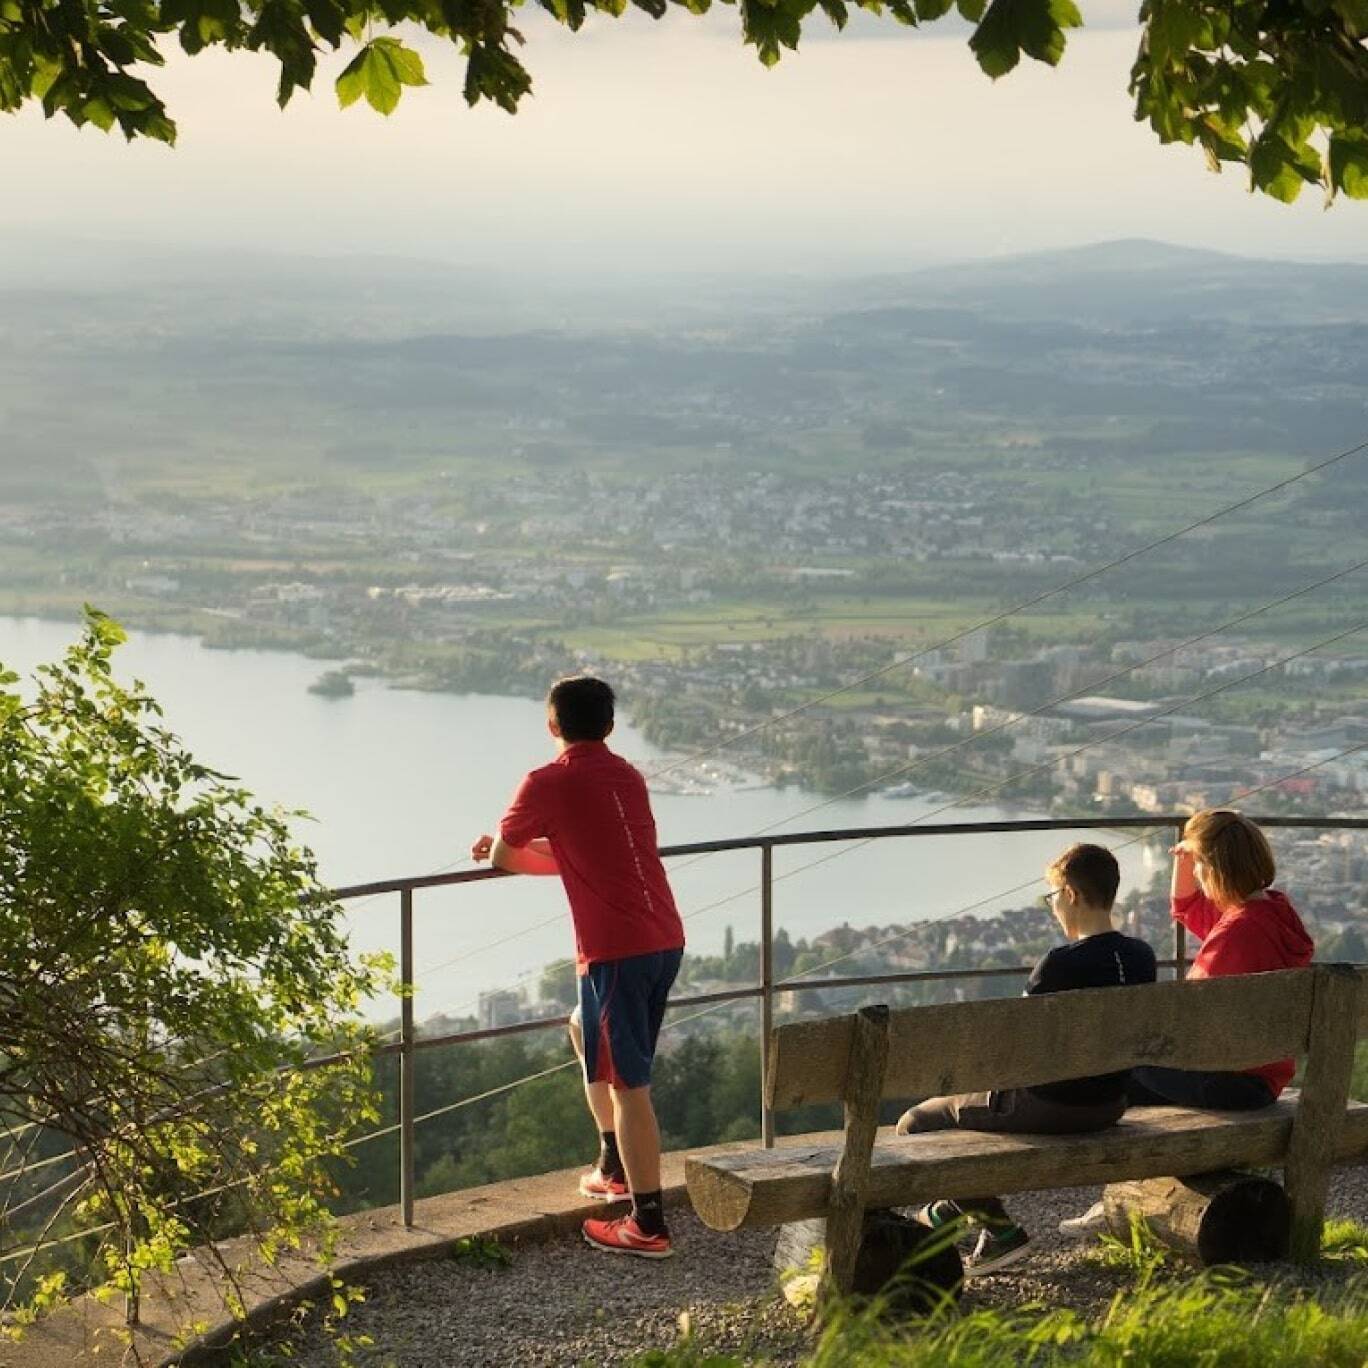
(1280, 86)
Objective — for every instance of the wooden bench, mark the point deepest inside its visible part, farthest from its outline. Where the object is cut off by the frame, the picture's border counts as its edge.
(1228, 1023)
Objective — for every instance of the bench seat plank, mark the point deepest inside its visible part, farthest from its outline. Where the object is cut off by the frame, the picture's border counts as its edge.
(759, 1187)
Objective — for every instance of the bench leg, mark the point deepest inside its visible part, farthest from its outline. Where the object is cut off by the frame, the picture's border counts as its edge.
(1208, 1218)
(850, 1181)
(1325, 1094)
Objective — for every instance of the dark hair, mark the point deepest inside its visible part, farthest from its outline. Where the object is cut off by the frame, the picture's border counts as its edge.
(583, 707)
(1091, 871)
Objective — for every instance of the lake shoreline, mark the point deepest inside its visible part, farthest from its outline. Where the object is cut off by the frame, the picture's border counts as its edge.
(360, 667)
(399, 783)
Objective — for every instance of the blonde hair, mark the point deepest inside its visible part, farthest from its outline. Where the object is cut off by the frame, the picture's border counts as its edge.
(1237, 856)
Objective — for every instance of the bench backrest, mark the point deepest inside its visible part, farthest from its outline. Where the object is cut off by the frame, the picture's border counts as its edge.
(1226, 1023)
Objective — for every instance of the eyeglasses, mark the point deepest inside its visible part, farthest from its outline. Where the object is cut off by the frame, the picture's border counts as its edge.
(1048, 898)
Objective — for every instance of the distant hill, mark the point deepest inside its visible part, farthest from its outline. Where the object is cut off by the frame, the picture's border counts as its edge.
(1130, 283)
(1134, 281)
(329, 368)
(184, 286)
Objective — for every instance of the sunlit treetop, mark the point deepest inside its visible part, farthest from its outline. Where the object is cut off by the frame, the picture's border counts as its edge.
(1280, 86)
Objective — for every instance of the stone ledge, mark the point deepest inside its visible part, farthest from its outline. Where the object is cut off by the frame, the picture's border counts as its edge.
(516, 1211)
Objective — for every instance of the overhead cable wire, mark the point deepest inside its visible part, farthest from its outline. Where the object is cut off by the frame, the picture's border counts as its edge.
(958, 912)
(995, 620)
(11, 1255)
(1016, 719)
(998, 618)
(8, 1256)
(1024, 605)
(528, 1078)
(998, 785)
(987, 791)
(23, 1171)
(1038, 879)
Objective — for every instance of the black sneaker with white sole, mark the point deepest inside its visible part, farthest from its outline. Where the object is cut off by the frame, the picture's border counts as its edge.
(997, 1247)
(940, 1214)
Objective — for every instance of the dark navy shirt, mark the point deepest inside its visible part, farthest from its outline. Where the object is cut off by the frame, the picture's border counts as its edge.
(1108, 960)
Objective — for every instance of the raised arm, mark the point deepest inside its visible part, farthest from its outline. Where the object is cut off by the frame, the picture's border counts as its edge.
(1190, 905)
(1183, 883)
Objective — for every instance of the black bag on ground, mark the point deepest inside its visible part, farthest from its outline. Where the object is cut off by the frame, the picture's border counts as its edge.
(908, 1264)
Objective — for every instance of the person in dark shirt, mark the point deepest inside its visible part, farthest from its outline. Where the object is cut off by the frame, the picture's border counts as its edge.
(1083, 884)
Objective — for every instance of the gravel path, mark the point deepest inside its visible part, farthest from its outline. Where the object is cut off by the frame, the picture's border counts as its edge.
(561, 1305)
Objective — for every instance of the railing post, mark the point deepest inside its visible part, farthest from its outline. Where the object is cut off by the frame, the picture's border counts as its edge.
(1179, 930)
(406, 1060)
(766, 988)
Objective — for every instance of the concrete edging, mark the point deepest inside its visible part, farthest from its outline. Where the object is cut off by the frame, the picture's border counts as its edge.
(517, 1211)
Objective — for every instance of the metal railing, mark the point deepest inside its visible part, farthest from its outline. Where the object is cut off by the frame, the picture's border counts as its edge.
(768, 987)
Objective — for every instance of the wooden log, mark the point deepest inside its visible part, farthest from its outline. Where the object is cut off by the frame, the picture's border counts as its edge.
(755, 1187)
(850, 1179)
(1207, 1218)
(1321, 1118)
(1236, 1022)
(913, 1268)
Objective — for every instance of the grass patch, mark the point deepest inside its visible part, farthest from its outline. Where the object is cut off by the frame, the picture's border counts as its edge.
(913, 621)
(1345, 1241)
(482, 1251)
(1140, 1254)
(1219, 1319)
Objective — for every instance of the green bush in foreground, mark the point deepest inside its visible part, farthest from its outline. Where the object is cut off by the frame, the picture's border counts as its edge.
(166, 951)
(1218, 1320)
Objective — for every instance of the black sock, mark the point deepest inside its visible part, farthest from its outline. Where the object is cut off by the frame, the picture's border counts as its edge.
(649, 1210)
(610, 1161)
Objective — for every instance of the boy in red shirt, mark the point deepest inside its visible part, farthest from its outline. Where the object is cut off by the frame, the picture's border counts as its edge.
(587, 817)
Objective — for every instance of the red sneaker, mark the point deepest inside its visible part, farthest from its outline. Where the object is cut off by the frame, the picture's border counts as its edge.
(601, 1186)
(625, 1236)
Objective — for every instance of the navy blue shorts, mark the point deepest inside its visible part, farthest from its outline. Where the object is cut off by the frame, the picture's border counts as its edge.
(622, 1003)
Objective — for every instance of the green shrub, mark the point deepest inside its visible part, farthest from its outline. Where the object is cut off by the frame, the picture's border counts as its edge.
(166, 948)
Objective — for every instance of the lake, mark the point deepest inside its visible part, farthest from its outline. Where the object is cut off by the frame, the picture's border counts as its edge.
(400, 783)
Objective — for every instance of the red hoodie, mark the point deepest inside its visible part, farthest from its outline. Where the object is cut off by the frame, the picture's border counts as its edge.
(1264, 934)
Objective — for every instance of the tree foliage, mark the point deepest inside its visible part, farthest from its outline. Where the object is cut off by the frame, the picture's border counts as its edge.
(165, 949)
(1278, 85)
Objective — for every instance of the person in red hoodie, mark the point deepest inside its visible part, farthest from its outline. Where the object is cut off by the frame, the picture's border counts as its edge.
(1222, 872)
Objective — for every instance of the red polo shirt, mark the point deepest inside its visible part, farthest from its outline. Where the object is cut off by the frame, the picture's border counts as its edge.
(593, 807)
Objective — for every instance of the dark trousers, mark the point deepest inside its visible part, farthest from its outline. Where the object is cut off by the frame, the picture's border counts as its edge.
(1016, 1110)
(1155, 1087)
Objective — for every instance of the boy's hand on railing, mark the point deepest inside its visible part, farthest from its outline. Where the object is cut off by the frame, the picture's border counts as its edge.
(479, 852)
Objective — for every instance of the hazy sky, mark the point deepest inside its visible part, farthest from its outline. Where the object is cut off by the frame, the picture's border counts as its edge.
(668, 145)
